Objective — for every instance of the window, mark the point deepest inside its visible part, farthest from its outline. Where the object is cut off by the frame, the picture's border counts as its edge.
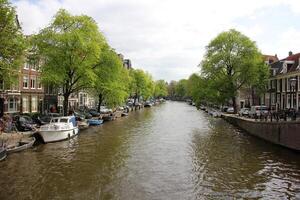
(1, 85)
(33, 82)
(82, 99)
(12, 105)
(273, 98)
(25, 104)
(25, 82)
(27, 65)
(34, 104)
(288, 85)
(273, 84)
(278, 84)
(39, 83)
(288, 101)
(283, 84)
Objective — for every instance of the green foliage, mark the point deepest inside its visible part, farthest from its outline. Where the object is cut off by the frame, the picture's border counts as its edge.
(181, 88)
(171, 88)
(261, 81)
(70, 48)
(160, 88)
(141, 84)
(12, 43)
(112, 79)
(231, 61)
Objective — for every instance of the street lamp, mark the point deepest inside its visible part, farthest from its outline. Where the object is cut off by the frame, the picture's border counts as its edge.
(293, 82)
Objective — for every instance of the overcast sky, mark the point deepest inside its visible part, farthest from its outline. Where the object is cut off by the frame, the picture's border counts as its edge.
(168, 37)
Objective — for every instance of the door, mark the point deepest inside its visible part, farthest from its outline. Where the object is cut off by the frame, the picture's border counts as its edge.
(1, 107)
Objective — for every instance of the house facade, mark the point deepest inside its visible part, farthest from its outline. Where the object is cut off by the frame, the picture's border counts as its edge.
(31, 89)
(248, 96)
(10, 98)
(284, 87)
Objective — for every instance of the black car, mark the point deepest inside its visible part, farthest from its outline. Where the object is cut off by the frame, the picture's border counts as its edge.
(83, 114)
(44, 119)
(24, 123)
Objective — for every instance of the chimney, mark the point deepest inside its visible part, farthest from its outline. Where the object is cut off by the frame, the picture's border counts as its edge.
(290, 53)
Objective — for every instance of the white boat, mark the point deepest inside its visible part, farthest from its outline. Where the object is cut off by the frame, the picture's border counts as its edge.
(60, 128)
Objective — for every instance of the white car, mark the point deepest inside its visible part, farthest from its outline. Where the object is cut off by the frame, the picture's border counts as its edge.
(258, 111)
(230, 110)
(244, 112)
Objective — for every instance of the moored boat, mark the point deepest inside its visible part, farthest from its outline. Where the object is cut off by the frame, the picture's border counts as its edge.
(148, 104)
(83, 124)
(22, 145)
(108, 118)
(95, 122)
(60, 128)
(2, 153)
(124, 114)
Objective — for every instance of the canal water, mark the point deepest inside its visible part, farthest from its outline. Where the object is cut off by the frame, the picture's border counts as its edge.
(171, 151)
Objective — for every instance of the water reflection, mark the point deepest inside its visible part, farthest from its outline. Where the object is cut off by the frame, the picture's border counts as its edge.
(171, 151)
(240, 166)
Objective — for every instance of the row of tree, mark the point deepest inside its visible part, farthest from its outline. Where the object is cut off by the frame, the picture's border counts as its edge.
(74, 56)
(232, 62)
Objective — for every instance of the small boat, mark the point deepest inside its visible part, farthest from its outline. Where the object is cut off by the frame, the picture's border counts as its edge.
(95, 122)
(124, 114)
(148, 104)
(60, 128)
(108, 118)
(2, 153)
(22, 145)
(83, 124)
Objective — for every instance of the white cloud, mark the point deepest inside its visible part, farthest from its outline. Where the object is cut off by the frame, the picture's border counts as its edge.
(165, 37)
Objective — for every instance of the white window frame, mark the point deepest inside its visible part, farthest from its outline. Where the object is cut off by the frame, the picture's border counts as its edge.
(33, 80)
(27, 78)
(25, 104)
(277, 84)
(34, 104)
(15, 105)
(26, 65)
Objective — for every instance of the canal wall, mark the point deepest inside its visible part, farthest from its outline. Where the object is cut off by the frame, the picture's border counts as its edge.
(286, 134)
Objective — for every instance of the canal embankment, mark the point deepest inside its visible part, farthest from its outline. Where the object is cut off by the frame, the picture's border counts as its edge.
(284, 133)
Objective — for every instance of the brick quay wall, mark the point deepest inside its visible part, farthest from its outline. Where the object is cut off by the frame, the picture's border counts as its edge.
(286, 134)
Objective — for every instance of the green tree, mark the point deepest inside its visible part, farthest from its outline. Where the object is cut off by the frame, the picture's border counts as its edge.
(180, 89)
(12, 43)
(71, 48)
(141, 84)
(160, 89)
(171, 89)
(231, 61)
(112, 79)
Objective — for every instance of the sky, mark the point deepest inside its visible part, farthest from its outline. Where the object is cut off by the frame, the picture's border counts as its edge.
(167, 38)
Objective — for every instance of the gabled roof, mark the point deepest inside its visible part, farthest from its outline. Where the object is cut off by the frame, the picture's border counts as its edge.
(270, 58)
(293, 57)
(285, 65)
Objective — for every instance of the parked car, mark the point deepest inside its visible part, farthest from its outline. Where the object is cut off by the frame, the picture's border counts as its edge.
(83, 114)
(258, 111)
(244, 112)
(230, 110)
(105, 110)
(24, 123)
(94, 113)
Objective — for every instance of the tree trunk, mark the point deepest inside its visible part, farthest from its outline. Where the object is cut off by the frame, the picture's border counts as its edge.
(234, 104)
(100, 102)
(135, 98)
(66, 104)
